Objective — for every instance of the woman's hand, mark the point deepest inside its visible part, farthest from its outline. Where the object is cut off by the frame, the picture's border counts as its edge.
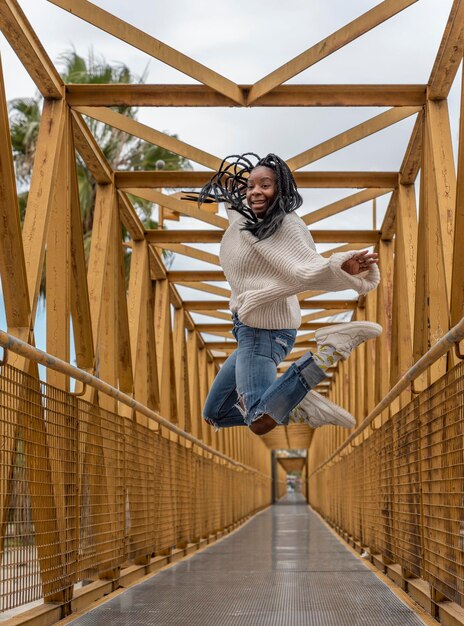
(360, 262)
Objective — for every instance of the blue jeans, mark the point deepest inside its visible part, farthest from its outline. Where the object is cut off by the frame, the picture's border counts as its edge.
(246, 387)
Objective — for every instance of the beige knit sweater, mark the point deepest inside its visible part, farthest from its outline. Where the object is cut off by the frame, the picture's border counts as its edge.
(265, 276)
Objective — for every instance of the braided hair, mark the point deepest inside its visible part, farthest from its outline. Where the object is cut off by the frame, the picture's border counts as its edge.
(229, 185)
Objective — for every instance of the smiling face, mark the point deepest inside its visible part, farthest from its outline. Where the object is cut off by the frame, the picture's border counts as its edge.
(261, 190)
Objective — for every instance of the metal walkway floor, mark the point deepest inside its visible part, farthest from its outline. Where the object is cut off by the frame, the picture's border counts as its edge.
(283, 568)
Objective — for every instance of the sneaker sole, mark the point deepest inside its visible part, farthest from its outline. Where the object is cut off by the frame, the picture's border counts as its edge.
(344, 418)
(371, 328)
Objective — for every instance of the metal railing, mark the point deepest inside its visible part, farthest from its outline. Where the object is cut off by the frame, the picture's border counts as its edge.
(399, 492)
(87, 490)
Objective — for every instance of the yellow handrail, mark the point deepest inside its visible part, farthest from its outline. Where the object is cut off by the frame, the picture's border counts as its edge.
(443, 345)
(9, 342)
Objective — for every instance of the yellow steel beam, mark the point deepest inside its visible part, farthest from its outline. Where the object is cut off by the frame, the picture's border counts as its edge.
(22, 38)
(194, 305)
(159, 237)
(449, 54)
(348, 137)
(196, 276)
(12, 264)
(184, 208)
(151, 135)
(309, 180)
(117, 27)
(284, 95)
(90, 151)
(343, 36)
(342, 205)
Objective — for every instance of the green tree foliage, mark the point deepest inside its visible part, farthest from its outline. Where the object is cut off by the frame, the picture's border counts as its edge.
(123, 151)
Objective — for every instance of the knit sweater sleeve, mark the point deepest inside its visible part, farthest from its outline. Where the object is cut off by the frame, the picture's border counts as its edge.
(298, 267)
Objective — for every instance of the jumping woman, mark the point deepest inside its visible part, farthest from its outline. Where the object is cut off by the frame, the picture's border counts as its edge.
(268, 257)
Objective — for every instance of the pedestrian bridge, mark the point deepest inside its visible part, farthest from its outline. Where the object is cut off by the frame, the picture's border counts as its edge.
(108, 475)
(283, 567)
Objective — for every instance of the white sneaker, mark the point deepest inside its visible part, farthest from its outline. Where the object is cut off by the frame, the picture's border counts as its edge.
(345, 337)
(316, 410)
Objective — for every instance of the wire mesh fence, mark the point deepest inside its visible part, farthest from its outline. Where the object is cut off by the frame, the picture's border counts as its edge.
(401, 491)
(86, 491)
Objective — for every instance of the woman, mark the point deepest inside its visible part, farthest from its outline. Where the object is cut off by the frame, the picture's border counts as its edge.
(268, 256)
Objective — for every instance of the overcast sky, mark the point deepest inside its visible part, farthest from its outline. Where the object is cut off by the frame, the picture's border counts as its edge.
(245, 40)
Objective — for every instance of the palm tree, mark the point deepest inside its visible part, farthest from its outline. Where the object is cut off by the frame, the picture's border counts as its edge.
(122, 151)
(24, 128)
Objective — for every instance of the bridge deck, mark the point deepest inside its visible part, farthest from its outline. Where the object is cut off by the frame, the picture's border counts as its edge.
(282, 568)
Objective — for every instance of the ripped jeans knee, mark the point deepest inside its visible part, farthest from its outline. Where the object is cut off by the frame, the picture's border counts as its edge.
(246, 387)
(251, 415)
(212, 422)
(240, 405)
(222, 415)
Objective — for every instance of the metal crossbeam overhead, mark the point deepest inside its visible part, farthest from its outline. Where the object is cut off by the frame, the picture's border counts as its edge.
(305, 180)
(196, 276)
(411, 162)
(12, 262)
(407, 175)
(347, 138)
(228, 347)
(156, 137)
(191, 252)
(211, 328)
(152, 46)
(22, 38)
(366, 22)
(129, 218)
(90, 151)
(184, 208)
(193, 305)
(218, 291)
(281, 96)
(160, 237)
(449, 55)
(344, 204)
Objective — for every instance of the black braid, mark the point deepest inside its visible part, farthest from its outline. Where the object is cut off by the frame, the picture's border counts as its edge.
(229, 185)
